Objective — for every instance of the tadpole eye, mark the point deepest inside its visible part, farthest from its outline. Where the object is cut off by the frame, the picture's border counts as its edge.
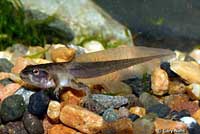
(36, 71)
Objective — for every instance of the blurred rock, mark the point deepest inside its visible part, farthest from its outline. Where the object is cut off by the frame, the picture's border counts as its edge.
(62, 54)
(32, 124)
(82, 20)
(166, 66)
(47, 124)
(139, 85)
(196, 55)
(159, 81)
(167, 126)
(53, 111)
(123, 112)
(110, 115)
(193, 90)
(116, 88)
(6, 55)
(193, 126)
(121, 126)
(93, 46)
(161, 110)
(189, 71)
(5, 65)
(196, 116)
(36, 52)
(144, 125)
(176, 116)
(12, 108)
(81, 119)
(133, 117)
(176, 87)
(38, 103)
(61, 129)
(148, 100)
(8, 90)
(18, 50)
(181, 102)
(140, 111)
(15, 128)
(72, 97)
(25, 93)
(6, 81)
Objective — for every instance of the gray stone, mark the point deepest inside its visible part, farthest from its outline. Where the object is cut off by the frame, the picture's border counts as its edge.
(5, 65)
(82, 19)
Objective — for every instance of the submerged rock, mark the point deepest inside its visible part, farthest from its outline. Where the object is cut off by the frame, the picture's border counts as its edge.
(5, 65)
(110, 115)
(15, 128)
(32, 124)
(161, 110)
(53, 111)
(38, 103)
(12, 108)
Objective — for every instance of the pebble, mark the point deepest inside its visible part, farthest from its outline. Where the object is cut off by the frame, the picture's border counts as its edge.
(176, 116)
(14, 128)
(163, 126)
(62, 54)
(180, 102)
(12, 108)
(148, 100)
(139, 85)
(196, 116)
(93, 46)
(166, 66)
(196, 55)
(193, 90)
(193, 126)
(72, 97)
(5, 65)
(123, 112)
(98, 103)
(25, 93)
(140, 111)
(61, 129)
(144, 125)
(176, 87)
(121, 126)
(18, 50)
(47, 124)
(110, 115)
(189, 71)
(53, 111)
(81, 119)
(161, 110)
(159, 82)
(38, 103)
(32, 124)
(6, 81)
(8, 90)
(133, 117)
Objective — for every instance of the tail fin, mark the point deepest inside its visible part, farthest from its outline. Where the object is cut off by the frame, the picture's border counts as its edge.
(94, 69)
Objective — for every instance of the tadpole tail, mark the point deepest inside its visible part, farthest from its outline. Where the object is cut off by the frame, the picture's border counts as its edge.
(94, 69)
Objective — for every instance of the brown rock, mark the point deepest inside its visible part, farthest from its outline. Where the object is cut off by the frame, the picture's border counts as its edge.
(140, 111)
(159, 82)
(8, 90)
(163, 126)
(61, 129)
(121, 126)
(180, 102)
(176, 87)
(46, 125)
(53, 111)
(196, 116)
(62, 54)
(72, 96)
(189, 71)
(193, 90)
(81, 119)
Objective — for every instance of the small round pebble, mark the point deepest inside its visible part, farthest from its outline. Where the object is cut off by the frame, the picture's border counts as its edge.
(110, 115)
(166, 66)
(5, 65)
(12, 108)
(32, 124)
(133, 117)
(161, 110)
(13, 128)
(38, 103)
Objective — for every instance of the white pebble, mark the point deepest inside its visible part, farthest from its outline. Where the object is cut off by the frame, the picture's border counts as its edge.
(188, 121)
